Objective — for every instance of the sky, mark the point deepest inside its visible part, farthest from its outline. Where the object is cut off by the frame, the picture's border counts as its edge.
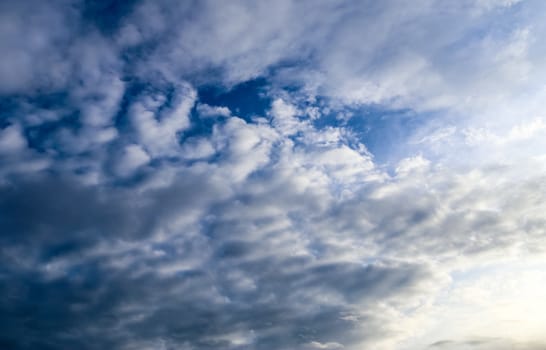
(272, 175)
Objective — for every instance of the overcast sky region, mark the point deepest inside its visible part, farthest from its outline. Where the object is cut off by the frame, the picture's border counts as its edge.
(273, 175)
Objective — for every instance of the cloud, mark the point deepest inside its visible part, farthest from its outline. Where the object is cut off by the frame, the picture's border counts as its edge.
(157, 118)
(284, 117)
(361, 52)
(133, 158)
(484, 343)
(288, 259)
(206, 111)
(30, 32)
(317, 345)
(138, 212)
(196, 148)
(12, 140)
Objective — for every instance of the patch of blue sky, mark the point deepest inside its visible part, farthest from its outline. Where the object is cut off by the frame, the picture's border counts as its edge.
(12, 106)
(385, 132)
(44, 115)
(41, 138)
(106, 15)
(244, 100)
(8, 106)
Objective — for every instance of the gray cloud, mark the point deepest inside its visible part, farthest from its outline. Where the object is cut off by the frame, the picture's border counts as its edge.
(484, 343)
(192, 263)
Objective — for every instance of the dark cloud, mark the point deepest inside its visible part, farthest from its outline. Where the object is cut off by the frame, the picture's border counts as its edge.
(63, 287)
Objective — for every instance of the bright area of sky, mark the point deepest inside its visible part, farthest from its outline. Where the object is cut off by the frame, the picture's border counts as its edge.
(273, 175)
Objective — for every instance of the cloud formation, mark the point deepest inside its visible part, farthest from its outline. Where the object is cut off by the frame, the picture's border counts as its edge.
(201, 175)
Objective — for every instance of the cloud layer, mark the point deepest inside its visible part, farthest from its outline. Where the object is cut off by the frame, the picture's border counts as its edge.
(288, 175)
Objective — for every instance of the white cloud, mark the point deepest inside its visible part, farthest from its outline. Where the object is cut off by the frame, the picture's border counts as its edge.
(196, 148)
(245, 147)
(285, 118)
(133, 157)
(413, 164)
(274, 233)
(157, 120)
(12, 140)
(206, 111)
(318, 345)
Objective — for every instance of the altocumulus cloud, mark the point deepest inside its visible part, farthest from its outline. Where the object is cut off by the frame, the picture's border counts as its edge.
(272, 175)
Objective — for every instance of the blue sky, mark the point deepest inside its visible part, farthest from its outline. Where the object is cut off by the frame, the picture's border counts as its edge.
(272, 175)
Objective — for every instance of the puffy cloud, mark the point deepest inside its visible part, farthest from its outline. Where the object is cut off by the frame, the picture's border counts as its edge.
(206, 111)
(196, 148)
(361, 52)
(314, 251)
(159, 118)
(137, 215)
(133, 158)
(30, 33)
(285, 118)
(12, 140)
